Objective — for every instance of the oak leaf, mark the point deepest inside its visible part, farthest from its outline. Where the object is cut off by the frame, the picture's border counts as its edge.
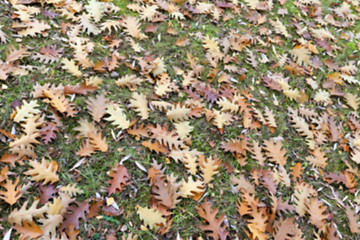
(33, 27)
(209, 167)
(235, 146)
(49, 225)
(97, 106)
(215, 225)
(117, 116)
(192, 189)
(98, 142)
(165, 137)
(76, 213)
(120, 178)
(46, 192)
(44, 171)
(140, 103)
(285, 229)
(71, 190)
(57, 100)
(14, 54)
(275, 152)
(86, 149)
(83, 89)
(151, 217)
(25, 214)
(353, 219)
(12, 193)
(318, 212)
(71, 67)
(178, 113)
(27, 110)
(28, 230)
(155, 146)
(132, 27)
(167, 191)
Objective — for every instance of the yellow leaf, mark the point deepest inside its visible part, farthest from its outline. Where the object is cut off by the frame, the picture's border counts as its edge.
(151, 217)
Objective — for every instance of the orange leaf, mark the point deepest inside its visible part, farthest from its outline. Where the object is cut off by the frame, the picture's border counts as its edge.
(13, 191)
(29, 230)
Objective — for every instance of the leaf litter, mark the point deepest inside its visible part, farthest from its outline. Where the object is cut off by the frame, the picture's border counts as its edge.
(257, 101)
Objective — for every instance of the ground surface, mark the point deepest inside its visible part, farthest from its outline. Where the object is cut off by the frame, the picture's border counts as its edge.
(179, 119)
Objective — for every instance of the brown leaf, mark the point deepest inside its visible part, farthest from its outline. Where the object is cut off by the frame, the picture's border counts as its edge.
(215, 226)
(111, 211)
(235, 146)
(57, 100)
(51, 50)
(275, 152)
(28, 230)
(71, 232)
(335, 131)
(10, 158)
(48, 132)
(97, 142)
(285, 229)
(151, 28)
(95, 207)
(82, 89)
(76, 213)
(318, 212)
(166, 191)
(120, 178)
(155, 146)
(13, 54)
(46, 192)
(271, 83)
(86, 149)
(183, 41)
(139, 131)
(4, 173)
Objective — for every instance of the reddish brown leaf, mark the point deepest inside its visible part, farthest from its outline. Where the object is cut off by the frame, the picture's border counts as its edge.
(51, 50)
(111, 211)
(76, 213)
(95, 207)
(335, 131)
(46, 192)
(120, 178)
(166, 191)
(48, 132)
(151, 28)
(271, 83)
